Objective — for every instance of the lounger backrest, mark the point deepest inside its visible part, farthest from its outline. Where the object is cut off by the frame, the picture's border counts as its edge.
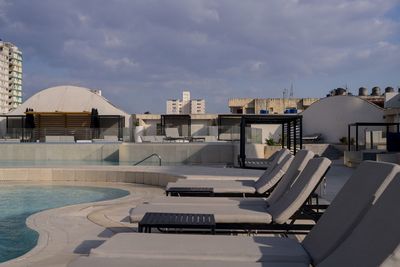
(172, 132)
(274, 155)
(268, 181)
(349, 205)
(377, 236)
(281, 154)
(303, 187)
(296, 167)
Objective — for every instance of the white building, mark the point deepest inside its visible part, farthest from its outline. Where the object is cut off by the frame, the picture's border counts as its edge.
(10, 77)
(331, 116)
(186, 105)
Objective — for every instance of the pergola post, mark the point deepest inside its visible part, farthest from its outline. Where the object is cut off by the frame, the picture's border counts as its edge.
(356, 137)
(301, 132)
(242, 155)
(283, 135)
(348, 136)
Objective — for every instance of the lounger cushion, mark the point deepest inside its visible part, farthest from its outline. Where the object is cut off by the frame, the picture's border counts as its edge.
(93, 261)
(219, 186)
(298, 164)
(203, 247)
(222, 213)
(207, 201)
(301, 190)
(376, 237)
(266, 182)
(349, 205)
(280, 156)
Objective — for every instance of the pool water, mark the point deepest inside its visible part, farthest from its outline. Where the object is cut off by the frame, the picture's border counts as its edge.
(17, 202)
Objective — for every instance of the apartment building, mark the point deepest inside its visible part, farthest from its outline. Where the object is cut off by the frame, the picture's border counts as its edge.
(186, 105)
(269, 105)
(10, 77)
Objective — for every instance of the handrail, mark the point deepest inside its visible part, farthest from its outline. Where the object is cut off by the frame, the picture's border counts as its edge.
(146, 158)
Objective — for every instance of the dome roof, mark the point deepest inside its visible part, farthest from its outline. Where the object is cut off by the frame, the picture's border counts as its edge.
(331, 116)
(68, 99)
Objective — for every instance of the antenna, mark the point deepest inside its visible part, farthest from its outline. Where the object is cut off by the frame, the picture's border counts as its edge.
(291, 90)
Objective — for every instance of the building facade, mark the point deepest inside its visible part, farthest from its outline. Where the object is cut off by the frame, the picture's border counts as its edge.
(10, 77)
(269, 105)
(186, 105)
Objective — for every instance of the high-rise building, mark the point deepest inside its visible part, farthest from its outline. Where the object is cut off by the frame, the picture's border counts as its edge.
(186, 105)
(10, 77)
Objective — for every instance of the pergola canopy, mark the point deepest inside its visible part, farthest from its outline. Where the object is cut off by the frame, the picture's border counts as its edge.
(291, 126)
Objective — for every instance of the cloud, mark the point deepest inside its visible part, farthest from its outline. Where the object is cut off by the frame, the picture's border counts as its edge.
(144, 52)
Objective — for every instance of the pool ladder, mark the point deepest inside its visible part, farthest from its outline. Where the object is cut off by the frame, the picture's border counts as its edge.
(150, 156)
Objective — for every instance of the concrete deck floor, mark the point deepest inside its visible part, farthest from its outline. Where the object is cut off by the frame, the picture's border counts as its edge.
(70, 232)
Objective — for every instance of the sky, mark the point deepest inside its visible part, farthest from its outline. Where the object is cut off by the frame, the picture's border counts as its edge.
(142, 52)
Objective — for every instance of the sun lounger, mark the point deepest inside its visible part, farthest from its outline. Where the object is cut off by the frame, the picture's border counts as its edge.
(312, 138)
(298, 164)
(349, 205)
(368, 232)
(247, 216)
(376, 237)
(260, 163)
(127, 262)
(267, 181)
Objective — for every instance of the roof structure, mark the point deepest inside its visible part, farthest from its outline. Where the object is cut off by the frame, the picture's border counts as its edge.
(68, 99)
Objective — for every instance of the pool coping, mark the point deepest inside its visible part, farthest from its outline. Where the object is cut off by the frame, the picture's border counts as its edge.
(92, 211)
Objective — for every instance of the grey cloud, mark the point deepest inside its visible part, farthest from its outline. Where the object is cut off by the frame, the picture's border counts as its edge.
(143, 52)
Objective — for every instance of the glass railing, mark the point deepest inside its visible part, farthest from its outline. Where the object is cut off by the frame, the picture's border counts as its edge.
(69, 135)
(198, 134)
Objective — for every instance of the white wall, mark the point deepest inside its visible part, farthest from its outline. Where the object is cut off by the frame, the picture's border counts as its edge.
(269, 131)
(330, 116)
(200, 127)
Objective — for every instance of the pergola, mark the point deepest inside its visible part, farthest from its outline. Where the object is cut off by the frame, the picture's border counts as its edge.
(291, 130)
(366, 124)
(181, 121)
(83, 125)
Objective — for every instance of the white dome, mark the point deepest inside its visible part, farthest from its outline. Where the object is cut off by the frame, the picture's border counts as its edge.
(331, 116)
(68, 99)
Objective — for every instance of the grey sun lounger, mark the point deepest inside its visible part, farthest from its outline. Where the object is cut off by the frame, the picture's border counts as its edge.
(365, 233)
(246, 216)
(296, 167)
(128, 262)
(261, 186)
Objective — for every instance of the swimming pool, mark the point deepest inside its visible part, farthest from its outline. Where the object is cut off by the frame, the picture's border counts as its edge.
(50, 163)
(17, 202)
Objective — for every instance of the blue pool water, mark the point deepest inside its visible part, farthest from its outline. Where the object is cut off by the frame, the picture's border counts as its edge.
(20, 201)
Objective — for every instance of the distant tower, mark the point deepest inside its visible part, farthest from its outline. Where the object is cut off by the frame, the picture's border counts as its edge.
(284, 93)
(10, 77)
(186, 105)
(291, 90)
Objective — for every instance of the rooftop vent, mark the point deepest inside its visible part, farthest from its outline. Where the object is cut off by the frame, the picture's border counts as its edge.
(376, 91)
(362, 91)
(389, 89)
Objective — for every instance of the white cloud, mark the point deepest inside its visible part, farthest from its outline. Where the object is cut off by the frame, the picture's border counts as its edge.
(120, 63)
